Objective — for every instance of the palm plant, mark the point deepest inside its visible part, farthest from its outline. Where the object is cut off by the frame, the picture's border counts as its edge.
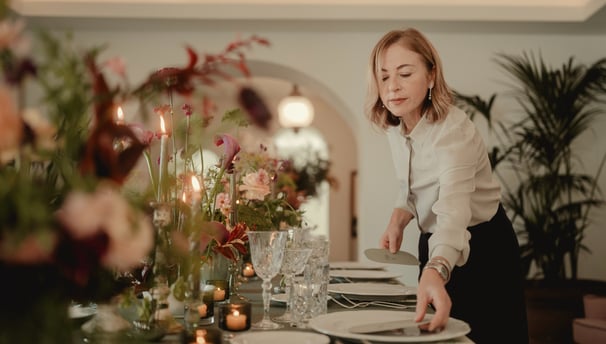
(553, 195)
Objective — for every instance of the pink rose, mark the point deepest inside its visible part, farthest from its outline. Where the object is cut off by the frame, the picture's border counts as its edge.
(256, 185)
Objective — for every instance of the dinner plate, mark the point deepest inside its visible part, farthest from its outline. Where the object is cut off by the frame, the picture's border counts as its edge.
(357, 265)
(365, 274)
(338, 324)
(371, 289)
(290, 337)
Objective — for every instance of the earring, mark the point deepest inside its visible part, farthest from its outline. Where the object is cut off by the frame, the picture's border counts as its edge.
(429, 95)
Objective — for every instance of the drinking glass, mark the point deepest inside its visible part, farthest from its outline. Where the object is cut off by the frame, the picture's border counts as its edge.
(293, 264)
(267, 253)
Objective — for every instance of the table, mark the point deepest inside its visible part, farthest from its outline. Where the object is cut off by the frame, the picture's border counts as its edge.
(252, 290)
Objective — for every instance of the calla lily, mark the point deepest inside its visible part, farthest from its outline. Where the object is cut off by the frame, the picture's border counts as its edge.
(226, 240)
(232, 147)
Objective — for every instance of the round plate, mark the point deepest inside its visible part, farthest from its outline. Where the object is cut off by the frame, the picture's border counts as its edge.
(371, 289)
(280, 298)
(357, 266)
(338, 324)
(290, 337)
(365, 274)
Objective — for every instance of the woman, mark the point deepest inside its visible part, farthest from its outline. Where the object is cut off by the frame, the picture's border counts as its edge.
(469, 253)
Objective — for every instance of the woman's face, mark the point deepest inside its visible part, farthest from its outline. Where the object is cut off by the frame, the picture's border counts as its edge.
(403, 81)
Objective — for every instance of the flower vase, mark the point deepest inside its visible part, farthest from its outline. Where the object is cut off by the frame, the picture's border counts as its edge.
(234, 281)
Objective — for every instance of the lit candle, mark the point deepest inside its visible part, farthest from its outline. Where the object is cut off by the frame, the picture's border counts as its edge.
(196, 194)
(163, 160)
(202, 310)
(119, 116)
(219, 294)
(248, 270)
(235, 321)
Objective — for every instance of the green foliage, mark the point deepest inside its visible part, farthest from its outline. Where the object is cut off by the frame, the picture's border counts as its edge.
(553, 195)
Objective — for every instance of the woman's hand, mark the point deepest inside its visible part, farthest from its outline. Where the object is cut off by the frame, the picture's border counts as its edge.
(431, 290)
(394, 233)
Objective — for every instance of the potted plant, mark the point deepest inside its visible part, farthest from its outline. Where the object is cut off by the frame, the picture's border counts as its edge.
(548, 193)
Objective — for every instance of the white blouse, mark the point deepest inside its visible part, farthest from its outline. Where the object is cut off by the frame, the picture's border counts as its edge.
(446, 181)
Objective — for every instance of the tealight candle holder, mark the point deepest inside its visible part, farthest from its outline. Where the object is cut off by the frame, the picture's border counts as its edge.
(203, 335)
(234, 317)
(206, 306)
(248, 270)
(221, 290)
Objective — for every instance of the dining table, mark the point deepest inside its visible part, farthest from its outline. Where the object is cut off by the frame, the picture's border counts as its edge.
(339, 308)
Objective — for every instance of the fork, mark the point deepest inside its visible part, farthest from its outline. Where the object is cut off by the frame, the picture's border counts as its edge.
(361, 304)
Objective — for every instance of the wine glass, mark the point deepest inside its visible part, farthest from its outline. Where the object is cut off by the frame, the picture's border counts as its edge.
(293, 264)
(267, 253)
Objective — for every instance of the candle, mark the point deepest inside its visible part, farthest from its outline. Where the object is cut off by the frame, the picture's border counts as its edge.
(233, 195)
(196, 194)
(202, 310)
(119, 116)
(248, 270)
(205, 336)
(219, 294)
(163, 160)
(235, 316)
(235, 321)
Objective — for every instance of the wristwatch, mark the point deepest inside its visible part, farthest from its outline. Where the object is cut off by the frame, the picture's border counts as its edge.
(440, 267)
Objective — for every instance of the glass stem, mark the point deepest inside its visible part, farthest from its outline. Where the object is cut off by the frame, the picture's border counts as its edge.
(288, 280)
(266, 298)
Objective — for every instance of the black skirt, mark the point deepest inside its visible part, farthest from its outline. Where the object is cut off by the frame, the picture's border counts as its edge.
(488, 291)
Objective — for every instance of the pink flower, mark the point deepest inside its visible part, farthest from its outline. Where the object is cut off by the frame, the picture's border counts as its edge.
(143, 135)
(223, 203)
(129, 233)
(256, 185)
(231, 149)
(116, 65)
(11, 126)
(187, 109)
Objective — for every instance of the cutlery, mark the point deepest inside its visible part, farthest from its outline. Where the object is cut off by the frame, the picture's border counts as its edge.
(406, 327)
(382, 255)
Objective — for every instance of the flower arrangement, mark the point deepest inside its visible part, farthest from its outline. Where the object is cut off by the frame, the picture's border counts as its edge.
(69, 231)
(263, 203)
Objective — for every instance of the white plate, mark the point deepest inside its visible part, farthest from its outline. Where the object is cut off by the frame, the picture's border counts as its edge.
(290, 337)
(357, 265)
(79, 311)
(281, 298)
(338, 324)
(371, 289)
(365, 274)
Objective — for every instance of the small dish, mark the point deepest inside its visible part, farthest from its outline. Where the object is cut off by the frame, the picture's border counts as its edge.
(290, 337)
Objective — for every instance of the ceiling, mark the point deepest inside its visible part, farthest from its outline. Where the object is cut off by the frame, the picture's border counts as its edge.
(438, 10)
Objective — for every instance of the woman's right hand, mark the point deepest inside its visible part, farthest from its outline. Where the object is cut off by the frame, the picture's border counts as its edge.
(394, 233)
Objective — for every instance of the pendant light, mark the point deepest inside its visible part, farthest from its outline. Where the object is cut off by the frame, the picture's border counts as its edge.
(295, 111)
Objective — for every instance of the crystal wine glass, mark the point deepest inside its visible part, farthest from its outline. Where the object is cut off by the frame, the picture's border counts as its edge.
(267, 253)
(293, 264)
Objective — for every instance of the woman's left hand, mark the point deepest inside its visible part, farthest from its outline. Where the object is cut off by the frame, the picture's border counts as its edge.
(431, 290)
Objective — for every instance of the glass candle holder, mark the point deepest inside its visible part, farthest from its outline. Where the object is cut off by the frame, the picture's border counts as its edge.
(234, 317)
(203, 335)
(221, 290)
(248, 270)
(206, 306)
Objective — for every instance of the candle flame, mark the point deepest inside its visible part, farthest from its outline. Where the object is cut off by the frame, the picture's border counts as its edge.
(120, 114)
(184, 197)
(162, 125)
(236, 313)
(195, 183)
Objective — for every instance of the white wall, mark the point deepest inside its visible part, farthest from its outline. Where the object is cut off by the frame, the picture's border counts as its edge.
(336, 55)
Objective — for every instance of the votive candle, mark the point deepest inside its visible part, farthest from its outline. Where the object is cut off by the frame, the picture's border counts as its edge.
(235, 316)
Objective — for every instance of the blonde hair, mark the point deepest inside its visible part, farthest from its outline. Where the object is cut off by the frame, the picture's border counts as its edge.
(435, 109)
